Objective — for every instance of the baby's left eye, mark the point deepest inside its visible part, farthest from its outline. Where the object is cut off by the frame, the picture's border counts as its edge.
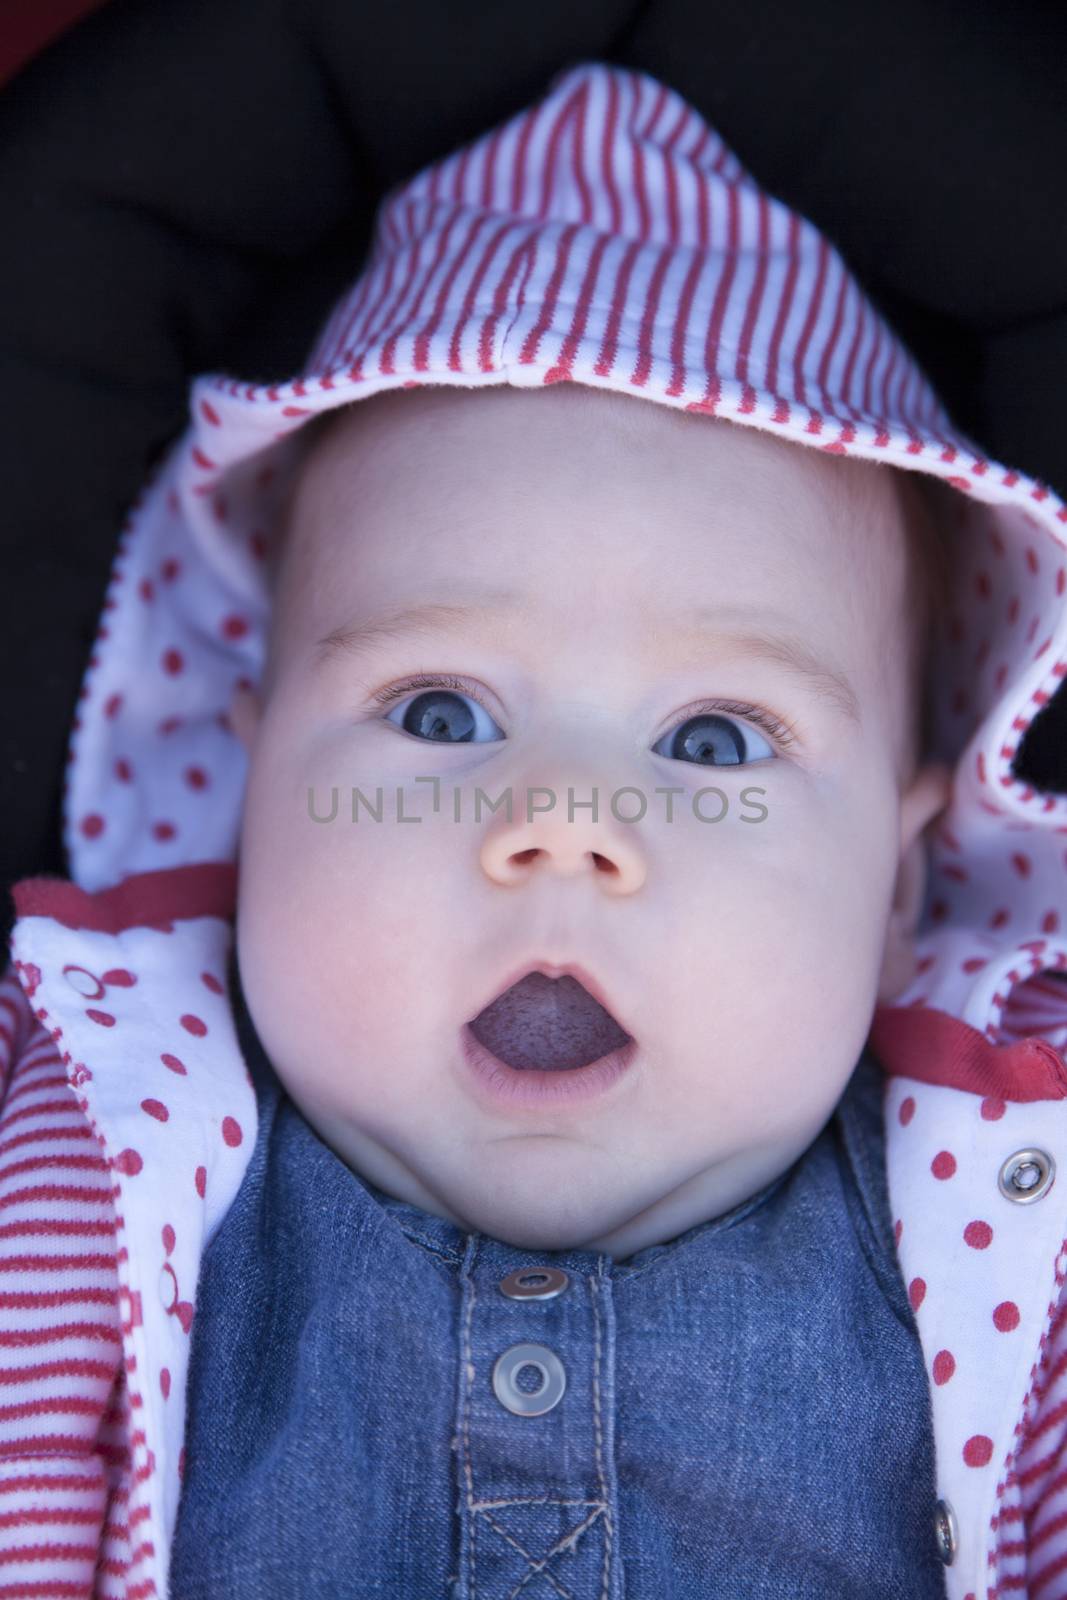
(712, 735)
(713, 738)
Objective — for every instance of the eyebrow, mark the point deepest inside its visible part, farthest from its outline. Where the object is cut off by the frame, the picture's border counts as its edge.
(695, 632)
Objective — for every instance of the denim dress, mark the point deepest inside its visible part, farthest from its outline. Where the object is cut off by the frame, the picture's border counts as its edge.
(382, 1405)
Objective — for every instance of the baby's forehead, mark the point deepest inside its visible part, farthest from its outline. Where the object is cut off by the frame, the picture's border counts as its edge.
(475, 421)
(401, 459)
(719, 533)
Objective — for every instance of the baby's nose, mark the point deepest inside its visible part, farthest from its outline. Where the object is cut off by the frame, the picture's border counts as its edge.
(556, 834)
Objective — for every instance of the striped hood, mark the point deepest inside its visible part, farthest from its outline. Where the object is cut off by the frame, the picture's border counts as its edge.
(605, 236)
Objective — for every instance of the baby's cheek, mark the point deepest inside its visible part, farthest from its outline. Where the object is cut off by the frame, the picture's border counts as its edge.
(789, 926)
(365, 907)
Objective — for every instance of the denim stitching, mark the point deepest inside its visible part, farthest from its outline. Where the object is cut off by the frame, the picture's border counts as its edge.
(472, 1253)
(439, 1251)
(597, 1432)
(539, 1564)
(535, 1500)
(538, 1567)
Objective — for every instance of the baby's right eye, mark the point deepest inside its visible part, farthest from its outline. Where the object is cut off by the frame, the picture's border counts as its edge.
(436, 712)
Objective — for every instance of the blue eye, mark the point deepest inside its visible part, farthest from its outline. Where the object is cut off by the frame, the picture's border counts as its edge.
(711, 735)
(436, 713)
(711, 738)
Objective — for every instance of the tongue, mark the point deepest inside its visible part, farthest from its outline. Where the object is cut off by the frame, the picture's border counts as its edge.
(549, 1023)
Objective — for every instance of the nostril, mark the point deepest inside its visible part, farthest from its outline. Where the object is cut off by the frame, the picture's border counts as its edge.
(603, 864)
(526, 855)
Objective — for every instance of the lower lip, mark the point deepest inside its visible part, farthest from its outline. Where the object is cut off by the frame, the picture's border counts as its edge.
(510, 1087)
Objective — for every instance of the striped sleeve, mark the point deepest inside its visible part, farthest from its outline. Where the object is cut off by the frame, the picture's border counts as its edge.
(63, 1451)
(1031, 1520)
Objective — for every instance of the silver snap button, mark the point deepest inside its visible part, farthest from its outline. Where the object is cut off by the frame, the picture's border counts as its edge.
(1027, 1175)
(946, 1532)
(168, 1287)
(529, 1398)
(85, 982)
(534, 1283)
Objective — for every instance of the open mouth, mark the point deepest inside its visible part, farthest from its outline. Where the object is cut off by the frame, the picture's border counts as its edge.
(545, 1024)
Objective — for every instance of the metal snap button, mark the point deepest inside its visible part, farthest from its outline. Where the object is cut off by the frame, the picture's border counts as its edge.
(946, 1532)
(524, 1400)
(168, 1287)
(85, 982)
(534, 1283)
(1027, 1175)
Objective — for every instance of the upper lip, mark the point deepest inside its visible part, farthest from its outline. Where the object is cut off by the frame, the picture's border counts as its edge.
(559, 969)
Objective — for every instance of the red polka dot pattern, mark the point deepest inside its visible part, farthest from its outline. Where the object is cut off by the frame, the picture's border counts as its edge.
(944, 1366)
(978, 1450)
(969, 1344)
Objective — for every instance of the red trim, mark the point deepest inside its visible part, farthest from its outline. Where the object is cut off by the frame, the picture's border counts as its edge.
(921, 1042)
(143, 900)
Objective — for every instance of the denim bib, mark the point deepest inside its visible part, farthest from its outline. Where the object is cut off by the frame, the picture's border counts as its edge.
(382, 1405)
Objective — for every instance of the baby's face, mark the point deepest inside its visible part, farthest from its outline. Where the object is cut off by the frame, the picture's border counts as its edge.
(617, 562)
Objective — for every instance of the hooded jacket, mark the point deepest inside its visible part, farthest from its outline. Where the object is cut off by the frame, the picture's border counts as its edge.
(604, 236)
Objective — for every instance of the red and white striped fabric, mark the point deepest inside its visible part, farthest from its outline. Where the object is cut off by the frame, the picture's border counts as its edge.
(63, 1417)
(603, 236)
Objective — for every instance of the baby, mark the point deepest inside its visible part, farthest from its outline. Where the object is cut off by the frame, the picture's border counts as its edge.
(623, 601)
(569, 1124)
(628, 598)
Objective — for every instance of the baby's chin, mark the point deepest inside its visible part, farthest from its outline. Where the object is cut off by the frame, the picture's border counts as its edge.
(545, 1228)
(552, 1212)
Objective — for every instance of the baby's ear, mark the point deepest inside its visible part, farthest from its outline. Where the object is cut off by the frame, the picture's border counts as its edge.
(923, 803)
(245, 709)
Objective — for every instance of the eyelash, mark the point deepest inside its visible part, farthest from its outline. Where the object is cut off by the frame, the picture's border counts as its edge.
(781, 733)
